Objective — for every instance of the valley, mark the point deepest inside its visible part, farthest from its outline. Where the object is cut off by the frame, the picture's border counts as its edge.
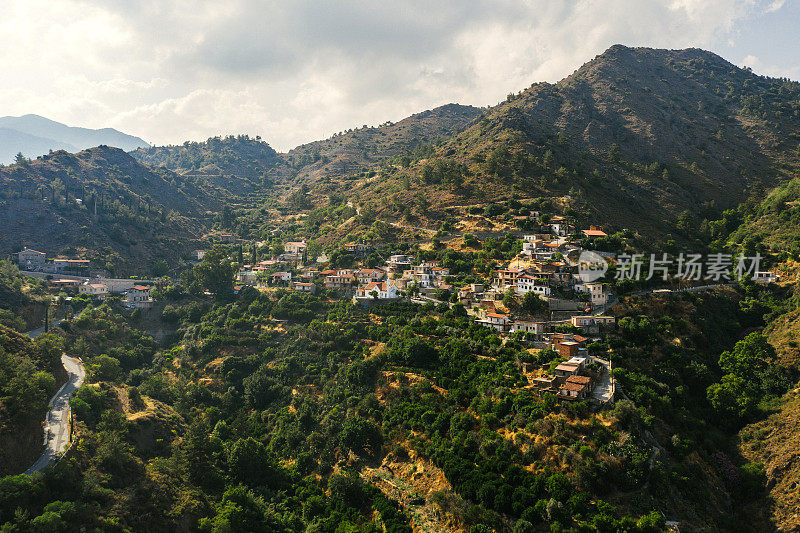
(574, 310)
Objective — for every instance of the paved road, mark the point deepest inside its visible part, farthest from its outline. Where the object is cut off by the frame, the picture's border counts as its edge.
(604, 389)
(38, 331)
(56, 429)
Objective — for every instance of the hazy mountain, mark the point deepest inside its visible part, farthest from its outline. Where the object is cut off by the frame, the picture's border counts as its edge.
(34, 135)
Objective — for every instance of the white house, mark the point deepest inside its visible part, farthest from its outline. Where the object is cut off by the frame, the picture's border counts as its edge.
(94, 289)
(497, 321)
(305, 287)
(281, 277)
(138, 296)
(398, 263)
(598, 293)
(527, 283)
(30, 258)
(528, 326)
(385, 290)
(368, 275)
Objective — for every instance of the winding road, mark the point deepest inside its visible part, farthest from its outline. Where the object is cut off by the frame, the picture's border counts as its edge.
(57, 422)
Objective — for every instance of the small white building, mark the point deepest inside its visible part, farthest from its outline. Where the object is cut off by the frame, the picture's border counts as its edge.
(496, 321)
(598, 293)
(138, 296)
(527, 283)
(94, 289)
(28, 258)
(368, 275)
(304, 287)
(385, 290)
(281, 277)
(528, 326)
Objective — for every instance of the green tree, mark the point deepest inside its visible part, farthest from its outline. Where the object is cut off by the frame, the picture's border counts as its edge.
(215, 273)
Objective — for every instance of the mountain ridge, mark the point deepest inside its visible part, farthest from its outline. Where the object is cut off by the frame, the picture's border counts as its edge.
(36, 135)
(638, 135)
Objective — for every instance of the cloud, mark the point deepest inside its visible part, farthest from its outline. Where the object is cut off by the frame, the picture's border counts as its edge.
(298, 71)
(774, 6)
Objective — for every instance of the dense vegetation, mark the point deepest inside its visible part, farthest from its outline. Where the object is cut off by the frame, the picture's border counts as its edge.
(104, 201)
(248, 162)
(282, 411)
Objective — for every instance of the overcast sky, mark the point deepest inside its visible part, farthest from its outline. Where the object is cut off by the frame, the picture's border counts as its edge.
(296, 71)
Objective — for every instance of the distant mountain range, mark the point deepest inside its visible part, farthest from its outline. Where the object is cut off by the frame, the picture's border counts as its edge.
(34, 136)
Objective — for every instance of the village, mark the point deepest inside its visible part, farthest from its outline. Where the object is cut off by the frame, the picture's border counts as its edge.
(539, 298)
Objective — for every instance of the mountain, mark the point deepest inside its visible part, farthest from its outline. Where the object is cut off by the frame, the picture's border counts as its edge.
(13, 142)
(102, 200)
(253, 162)
(239, 164)
(354, 149)
(34, 135)
(635, 138)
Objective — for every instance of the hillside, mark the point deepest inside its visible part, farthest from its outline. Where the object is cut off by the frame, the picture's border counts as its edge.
(29, 371)
(636, 137)
(103, 200)
(34, 135)
(773, 223)
(353, 150)
(238, 164)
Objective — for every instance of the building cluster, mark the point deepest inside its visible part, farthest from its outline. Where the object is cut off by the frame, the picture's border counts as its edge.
(574, 377)
(35, 261)
(135, 293)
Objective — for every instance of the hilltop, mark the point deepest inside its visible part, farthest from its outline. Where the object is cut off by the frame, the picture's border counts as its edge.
(353, 150)
(238, 164)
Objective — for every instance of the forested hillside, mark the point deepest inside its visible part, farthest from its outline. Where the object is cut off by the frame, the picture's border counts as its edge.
(363, 148)
(237, 164)
(103, 201)
(291, 412)
(637, 138)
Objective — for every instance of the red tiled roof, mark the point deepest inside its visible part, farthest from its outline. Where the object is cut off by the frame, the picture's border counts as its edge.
(594, 233)
(579, 379)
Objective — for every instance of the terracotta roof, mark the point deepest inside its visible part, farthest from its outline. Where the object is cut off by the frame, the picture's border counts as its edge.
(140, 288)
(567, 367)
(594, 233)
(579, 379)
(577, 387)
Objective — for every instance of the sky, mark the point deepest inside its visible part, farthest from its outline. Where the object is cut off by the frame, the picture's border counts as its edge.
(297, 71)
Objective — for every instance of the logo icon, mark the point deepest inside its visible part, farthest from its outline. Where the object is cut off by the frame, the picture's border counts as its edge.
(591, 266)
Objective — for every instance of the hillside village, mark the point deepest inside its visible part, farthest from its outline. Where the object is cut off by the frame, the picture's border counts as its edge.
(575, 310)
(562, 326)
